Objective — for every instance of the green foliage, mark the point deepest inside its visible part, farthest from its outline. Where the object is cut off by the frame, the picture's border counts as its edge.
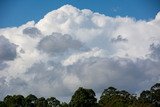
(83, 98)
(14, 101)
(155, 91)
(64, 104)
(111, 97)
(53, 102)
(41, 102)
(2, 104)
(19, 100)
(30, 100)
(145, 97)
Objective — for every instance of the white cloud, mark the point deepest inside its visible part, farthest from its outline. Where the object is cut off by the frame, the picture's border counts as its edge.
(32, 32)
(7, 50)
(90, 49)
(59, 44)
(95, 52)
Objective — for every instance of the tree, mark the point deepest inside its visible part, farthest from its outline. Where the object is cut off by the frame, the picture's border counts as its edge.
(111, 97)
(107, 95)
(83, 98)
(53, 102)
(2, 104)
(30, 100)
(14, 101)
(19, 100)
(145, 97)
(64, 104)
(9, 101)
(155, 92)
(41, 102)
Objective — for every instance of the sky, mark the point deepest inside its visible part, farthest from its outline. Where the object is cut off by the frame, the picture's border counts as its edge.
(51, 49)
(17, 12)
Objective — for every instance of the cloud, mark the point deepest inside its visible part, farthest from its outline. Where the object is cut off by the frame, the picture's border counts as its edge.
(3, 65)
(32, 32)
(58, 43)
(155, 51)
(95, 52)
(123, 73)
(69, 48)
(7, 50)
(119, 39)
(50, 75)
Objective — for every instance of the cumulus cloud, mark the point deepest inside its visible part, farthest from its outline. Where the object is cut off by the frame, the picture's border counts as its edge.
(32, 32)
(58, 43)
(7, 49)
(155, 51)
(95, 52)
(119, 39)
(7, 52)
(3, 65)
(120, 72)
(86, 47)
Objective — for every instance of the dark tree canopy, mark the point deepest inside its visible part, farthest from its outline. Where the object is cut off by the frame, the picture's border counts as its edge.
(83, 98)
(155, 93)
(53, 102)
(14, 101)
(30, 100)
(111, 97)
(146, 96)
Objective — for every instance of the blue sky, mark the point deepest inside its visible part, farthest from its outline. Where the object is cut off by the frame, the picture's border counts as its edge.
(18, 12)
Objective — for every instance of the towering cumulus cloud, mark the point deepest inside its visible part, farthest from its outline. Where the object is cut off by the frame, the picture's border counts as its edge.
(7, 51)
(69, 48)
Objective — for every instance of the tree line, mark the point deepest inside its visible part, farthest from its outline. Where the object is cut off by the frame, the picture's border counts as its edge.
(111, 97)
